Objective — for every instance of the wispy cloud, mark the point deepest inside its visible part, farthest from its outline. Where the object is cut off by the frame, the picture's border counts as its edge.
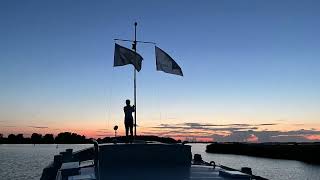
(102, 135)
(56, 129)
(268, 124)
(298, 124)
(211, 127)
(102, 131)
(270, 136)
(39, 127)
(234, 132)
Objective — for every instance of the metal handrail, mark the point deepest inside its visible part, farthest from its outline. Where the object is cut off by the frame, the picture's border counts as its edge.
(96, 158)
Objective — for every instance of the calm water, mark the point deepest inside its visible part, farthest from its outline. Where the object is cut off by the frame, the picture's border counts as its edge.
(27, 162)
(268, 168)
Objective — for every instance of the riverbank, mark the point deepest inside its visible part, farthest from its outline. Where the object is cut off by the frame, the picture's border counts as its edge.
(306, 152)
(74, 138)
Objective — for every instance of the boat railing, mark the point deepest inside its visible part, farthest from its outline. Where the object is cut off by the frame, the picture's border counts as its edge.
(197, 160)
(96, 158)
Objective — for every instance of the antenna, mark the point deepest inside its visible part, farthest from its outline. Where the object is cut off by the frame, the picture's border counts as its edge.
(134, 47)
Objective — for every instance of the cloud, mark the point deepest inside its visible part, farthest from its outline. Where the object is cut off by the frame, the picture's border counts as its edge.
(268, 124)
(102, 135)
(298, 124)
(214, 125)
(234, 132)
(210, 127)
(252, 138)
(282, 120)
(314, 137)
(57, 129)
(102, 131)
(270, 136)
(39, 127)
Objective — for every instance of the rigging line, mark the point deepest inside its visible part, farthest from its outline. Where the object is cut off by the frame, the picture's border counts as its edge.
(109, 111)
(127, 40)
(109, 100)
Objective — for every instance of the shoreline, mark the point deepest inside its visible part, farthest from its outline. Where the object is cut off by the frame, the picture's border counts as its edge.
(304, 152)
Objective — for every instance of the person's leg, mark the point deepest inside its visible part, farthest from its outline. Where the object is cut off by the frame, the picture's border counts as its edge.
(131, 129)
(127, 129)
(131, 132)
(127, 133)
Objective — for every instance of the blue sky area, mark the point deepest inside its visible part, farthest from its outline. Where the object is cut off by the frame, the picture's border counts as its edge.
(243, 61)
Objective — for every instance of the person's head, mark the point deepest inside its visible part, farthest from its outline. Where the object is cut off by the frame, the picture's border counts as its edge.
(128, 102)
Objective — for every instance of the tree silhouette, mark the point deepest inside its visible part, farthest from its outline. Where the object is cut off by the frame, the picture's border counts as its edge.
(36, 138)
(19, 138)
(12, 139)
(48, 139)
(70, 138)
(74, 138)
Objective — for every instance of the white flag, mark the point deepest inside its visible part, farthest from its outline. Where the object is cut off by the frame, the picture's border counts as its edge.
(124, 56)
(166, 64)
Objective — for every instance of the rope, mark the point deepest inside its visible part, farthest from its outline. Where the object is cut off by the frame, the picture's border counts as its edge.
(109, 101)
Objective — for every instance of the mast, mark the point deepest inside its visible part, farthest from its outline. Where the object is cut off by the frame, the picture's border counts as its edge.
(134, 47)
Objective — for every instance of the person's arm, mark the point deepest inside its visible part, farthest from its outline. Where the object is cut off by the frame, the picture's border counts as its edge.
(133, 108)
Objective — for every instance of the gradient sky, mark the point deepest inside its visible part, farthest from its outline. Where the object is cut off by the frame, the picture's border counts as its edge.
(252, 64)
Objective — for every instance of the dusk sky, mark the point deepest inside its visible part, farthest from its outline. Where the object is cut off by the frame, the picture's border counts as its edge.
(251, 68)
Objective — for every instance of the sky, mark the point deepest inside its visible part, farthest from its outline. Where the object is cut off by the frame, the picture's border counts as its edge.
(251, 68)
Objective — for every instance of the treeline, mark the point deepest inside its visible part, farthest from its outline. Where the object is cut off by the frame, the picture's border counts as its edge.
(73, 138)
(61, 138)
(306, 152)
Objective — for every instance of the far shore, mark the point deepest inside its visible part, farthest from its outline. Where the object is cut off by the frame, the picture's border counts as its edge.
(74, 138)
(301, 151)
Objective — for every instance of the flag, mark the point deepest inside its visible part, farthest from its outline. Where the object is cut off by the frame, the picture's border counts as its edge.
(166, 64)
(124, 56)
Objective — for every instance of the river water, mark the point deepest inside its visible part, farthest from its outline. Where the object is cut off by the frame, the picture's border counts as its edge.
(19, 161)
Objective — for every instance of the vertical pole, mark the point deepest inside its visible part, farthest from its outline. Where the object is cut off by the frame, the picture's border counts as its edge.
(135, 84)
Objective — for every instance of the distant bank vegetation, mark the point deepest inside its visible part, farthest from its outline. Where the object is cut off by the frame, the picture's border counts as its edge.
(306, 152)
(72, 138)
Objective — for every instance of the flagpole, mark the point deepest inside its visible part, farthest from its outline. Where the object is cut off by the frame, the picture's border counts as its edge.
(134, 47)
(176, 70)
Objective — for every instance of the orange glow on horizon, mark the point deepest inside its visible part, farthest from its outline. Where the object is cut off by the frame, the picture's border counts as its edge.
(101, 129)
(252, 138)
(313, 137)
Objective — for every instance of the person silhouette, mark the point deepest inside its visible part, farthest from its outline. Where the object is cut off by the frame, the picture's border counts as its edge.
(128, 119)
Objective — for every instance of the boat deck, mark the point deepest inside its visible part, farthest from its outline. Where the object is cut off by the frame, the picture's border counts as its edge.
(195, 172)
(143, 162)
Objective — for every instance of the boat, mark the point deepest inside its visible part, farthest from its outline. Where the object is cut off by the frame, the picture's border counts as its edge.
(139, 160)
